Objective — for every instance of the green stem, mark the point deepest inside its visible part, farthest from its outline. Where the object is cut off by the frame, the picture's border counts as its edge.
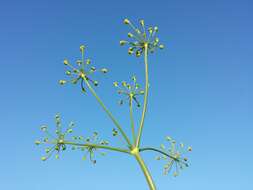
(132, 118)
(98, 146)
(156, 150)
(145, 171)
(145, 95)
(108, 113)
(164, 153)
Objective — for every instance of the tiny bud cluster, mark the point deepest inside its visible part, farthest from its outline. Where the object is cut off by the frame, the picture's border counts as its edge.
(130, 91)
(141, 38)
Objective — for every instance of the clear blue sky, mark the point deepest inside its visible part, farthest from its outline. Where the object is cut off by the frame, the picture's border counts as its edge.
(201, 91)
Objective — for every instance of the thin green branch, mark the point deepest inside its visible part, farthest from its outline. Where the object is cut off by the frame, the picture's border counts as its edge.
(145, 96)
(162, 152)
(98, 146)
(156, 150)
(108, 113)
(132, 118)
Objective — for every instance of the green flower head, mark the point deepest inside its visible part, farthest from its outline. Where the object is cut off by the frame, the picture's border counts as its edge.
(140, 38)
(130, 91)
(56, 141)
(175, 156)
(81, 72)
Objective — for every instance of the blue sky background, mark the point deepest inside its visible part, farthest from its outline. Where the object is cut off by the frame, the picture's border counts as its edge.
(201, 91)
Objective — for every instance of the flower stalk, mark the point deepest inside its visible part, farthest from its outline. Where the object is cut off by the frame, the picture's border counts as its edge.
(145, 95)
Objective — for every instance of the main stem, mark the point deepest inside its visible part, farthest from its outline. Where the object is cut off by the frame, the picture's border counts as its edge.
(144, 169)
(145, 95)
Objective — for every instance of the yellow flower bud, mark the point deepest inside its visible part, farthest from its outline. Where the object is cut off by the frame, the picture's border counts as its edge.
(122, 42)
(62, 82)
(65, 62)
(150, 30)
(124, 84)
(130, 35)
(138, 53)
(116, 84)
(43, 158)
(88, 61)
(161, 46)
(104, 70)
(126, 21)
(79, 62)
(189, 149)
(156, 29)
(130, 51)
(175, 174)
(82, 47)
(95, 83)
(142, 22)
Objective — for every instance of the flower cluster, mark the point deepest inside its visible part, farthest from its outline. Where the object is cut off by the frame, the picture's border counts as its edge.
(174, 156)
(81, 72)
(140, 38)
(130, 92)
(90, 148)
(57, 142)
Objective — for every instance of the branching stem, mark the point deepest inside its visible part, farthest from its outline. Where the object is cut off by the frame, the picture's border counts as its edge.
(108, 113)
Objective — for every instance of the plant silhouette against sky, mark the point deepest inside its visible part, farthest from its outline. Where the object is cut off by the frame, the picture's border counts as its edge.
(142, 42)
